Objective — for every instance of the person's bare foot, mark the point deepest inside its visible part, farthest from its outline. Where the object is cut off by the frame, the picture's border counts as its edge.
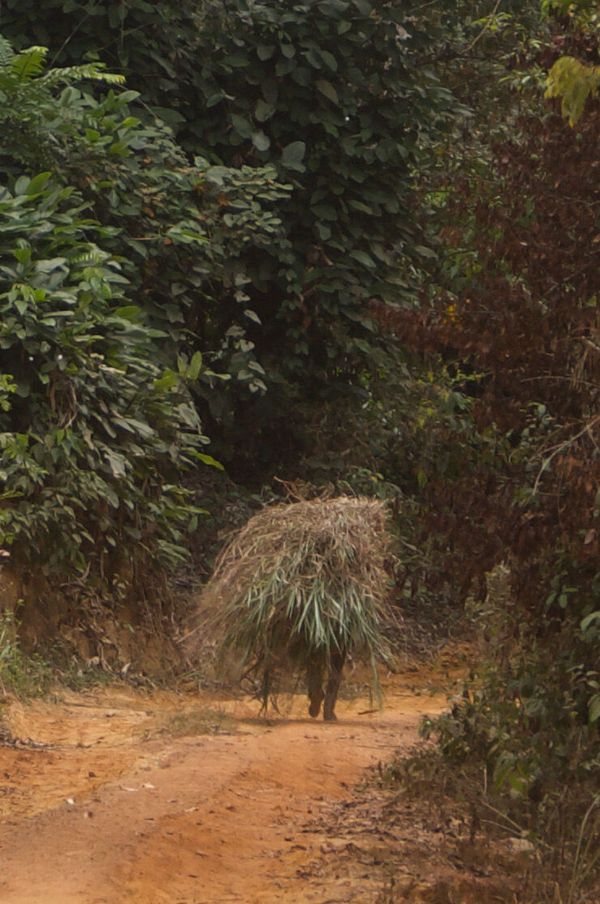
(315, 706)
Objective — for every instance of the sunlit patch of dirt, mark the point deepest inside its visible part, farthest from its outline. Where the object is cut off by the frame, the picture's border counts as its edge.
(73, 745)
(163, 797)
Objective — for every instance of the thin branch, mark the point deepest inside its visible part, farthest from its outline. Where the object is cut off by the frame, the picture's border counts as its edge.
(560, 448)
(70, 37)
(486, 27)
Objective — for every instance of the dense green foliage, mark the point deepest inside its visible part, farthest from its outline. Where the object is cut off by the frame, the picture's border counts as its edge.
(151, 44)
(97, 418)
(242, 260)
(293, 86)
(90, 428)
(88, 417)
(346, 130)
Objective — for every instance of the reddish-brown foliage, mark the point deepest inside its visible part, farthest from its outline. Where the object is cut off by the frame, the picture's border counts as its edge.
(530, 325)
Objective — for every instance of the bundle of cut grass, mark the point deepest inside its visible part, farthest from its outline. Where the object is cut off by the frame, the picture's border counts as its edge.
(302, 582)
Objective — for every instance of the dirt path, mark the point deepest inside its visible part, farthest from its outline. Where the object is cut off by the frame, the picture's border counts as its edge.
(169, 798)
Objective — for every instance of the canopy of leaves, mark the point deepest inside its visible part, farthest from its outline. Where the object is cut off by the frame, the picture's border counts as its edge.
(574, 83)
(100, 257)
(88, 425)
(338, 97)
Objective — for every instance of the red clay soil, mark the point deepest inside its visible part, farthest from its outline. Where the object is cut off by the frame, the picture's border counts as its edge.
(190, 799)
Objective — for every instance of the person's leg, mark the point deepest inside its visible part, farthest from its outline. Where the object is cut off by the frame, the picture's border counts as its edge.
(314, 682)
(336, 667)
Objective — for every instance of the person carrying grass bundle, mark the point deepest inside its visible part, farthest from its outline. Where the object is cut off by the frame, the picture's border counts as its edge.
(300, 587)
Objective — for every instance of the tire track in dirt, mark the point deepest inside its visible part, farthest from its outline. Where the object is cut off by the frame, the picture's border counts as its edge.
(209, 819)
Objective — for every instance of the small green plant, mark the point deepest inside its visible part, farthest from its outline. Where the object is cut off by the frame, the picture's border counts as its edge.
(20, 674)
(198, 722)
(574, 83)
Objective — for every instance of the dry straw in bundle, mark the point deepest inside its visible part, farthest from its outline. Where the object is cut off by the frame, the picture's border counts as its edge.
(303, 580)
